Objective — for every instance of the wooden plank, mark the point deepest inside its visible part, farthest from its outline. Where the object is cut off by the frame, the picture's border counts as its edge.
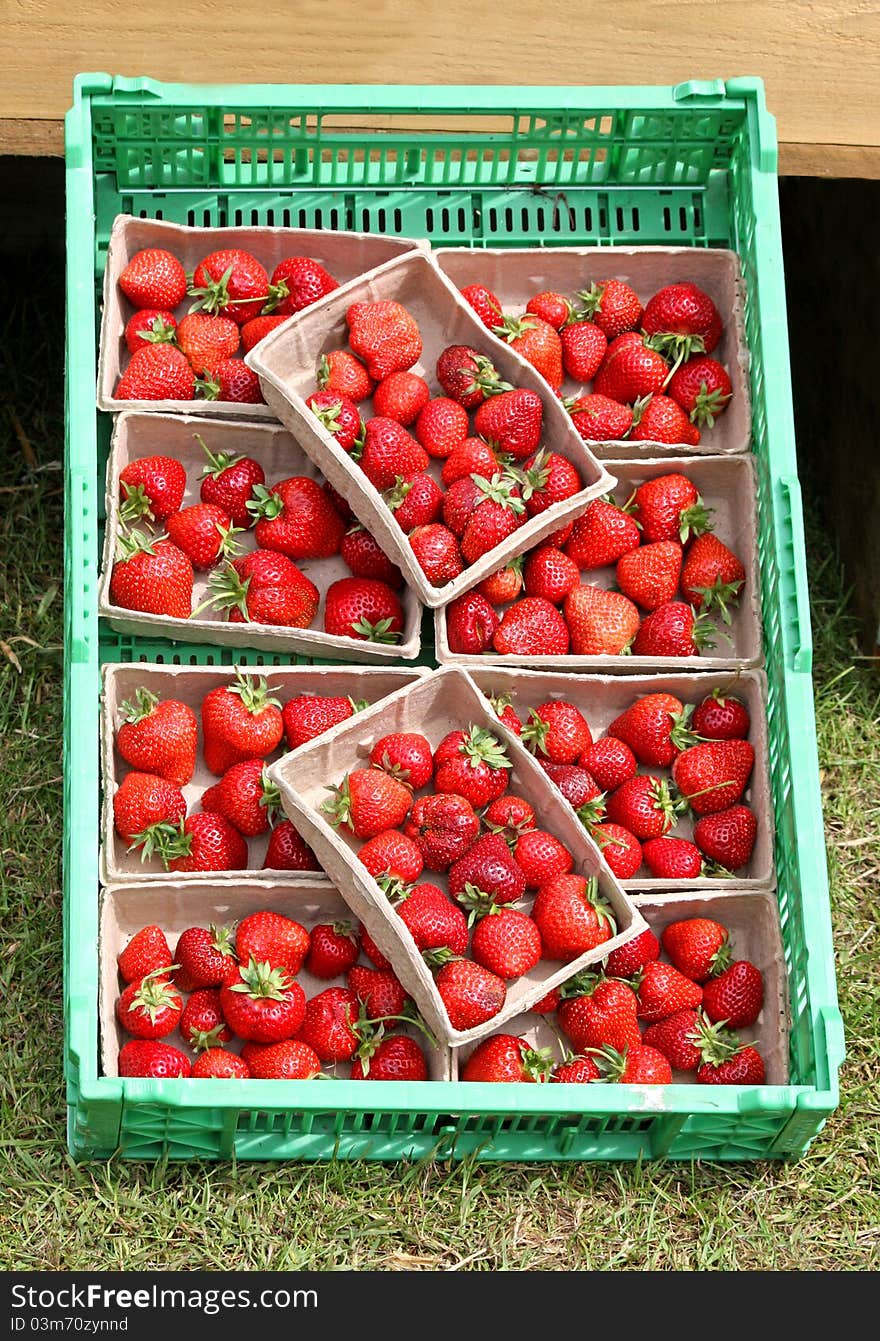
(820, 58)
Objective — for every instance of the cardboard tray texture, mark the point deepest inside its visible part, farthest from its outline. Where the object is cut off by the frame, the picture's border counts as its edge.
(727, 485)
(753, 921)
(190, 684)
(345, 255)
(137, 435)
(443, 702)
(516, 275)
(127, 908)
(602, 698)
(286, 361)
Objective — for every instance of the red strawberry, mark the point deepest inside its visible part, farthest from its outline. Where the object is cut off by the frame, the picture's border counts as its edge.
(299, 281)
(341, 504)
(549, 1003)
(157, 372)
(486, 875)
(310, 715)
(611, 762)
(390, 453)
(401, 396)
(154, 278)
(341, 417)
(583, 349)
(643, 805)
(550, 574)
(599, 418)
(548, 479)
(554, 308)
(669, 508)
(698, 947)
(678, 1038)
(152, 325)
(437, 552)
(721, 717)
(153, 487)
(158, 738)
(367, 801)
(204, 532)
(229, 482)
(231, 281)
(626, 960)
(255, 330)
(511, 422)
(339, 371)
(262, 1004)
(505, 585)
(736, 996)
(712, 575)
(270, 938)
(371, 949)
(246, 797)
(434, 922)
(156, 1061)
(600, 623)
(385, 335)
(390, 855)
(649, 575)
(532, 627)
(265, 587)
(639, 1065)
(220, 1064)
(472, 764)
(205, 842)
(239, 721)
(620, 848)
(576, 1071)
(364, 608)
(506, 1059)
(146, 954)
(206, 955)
(464, 496)
(333, 949)
(578, 788)
(415, 502)
(207, 341)
(150, 1007)
(510, 816)
(506, 942)
(471, 457)
(602, 535)
(613, 305)
(703, 390)
(442, 426)
(378, 989)
(630, 370)
(202, 1023)
(142, 802)
(232, 380)
(151, 575)
(471, 994)
(470, 624)
(740, 1066)
(290, 1059)
(601, 1013)
(484, 303)
(365, 558)
(660, 419)
(394, 1058)
(407, 756)
(492, 522)
(727, 837)
(683, 310)
(444, 827)
(558, 730)
(672, 630)
(296, 518)
(541, 856)
(655, 727)
(670, 858)
(467, 376)
(537, 342)
(571, 916)
(287, 851)
(713, 776)
(663, 990)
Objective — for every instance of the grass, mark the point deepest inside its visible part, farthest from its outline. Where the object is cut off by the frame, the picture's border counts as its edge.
(822, 1211)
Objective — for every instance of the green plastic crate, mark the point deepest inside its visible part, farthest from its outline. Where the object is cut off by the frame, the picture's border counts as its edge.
(695, 164)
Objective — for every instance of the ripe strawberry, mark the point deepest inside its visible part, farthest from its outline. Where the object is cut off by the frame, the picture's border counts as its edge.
(626, 960)
(206, 956)
(417, 501)
(151, 325)
(537, 342)
(655, 727)
(721, 717)
(379, 990)
(229, 482)
(470, 624)
(145, 954)
(630, 370)
(554, 308)
(511, 422)
(255, 330)
(703, 390)
(549, 1003)
(332, 1024)
(444, 827)
(669, 508)
(531, 628)
(230, 281)
(699, 947)
(333, 949)
(264, 587)
(620, 848)
(207, 341)
(506, 713)
(151, 575)
(649, 575)
(273, 939)
(341, 417)
(670, 858)
(658, 418)
(310, 715)
(643, 805)
(262, 1004)
(157, 372)
(548, 478)
(153, 487)
(232, 380)
(396, 1058)
(614, 306)
(363, 555)
(296, 518)
(204, 533)
(672, 630)
(550, 574)
(662, 991)
(687, 315)
(571, 916)
(471, 994)
(576, 1071)
(405, 755)
(713, 776)
(487, 875)
(506, 942)
(437, 552)
(341, 504)
(245, 797)
(155, 1061)
(599, 418)
(611, 762)
(401, 396)
(390, 453)
(583, 349)
(205, 842)
(288, 851)
(239, 721)
(599, 1012)
(602, 535)
(220, 1064)
(578, 788)
(465, 495)
(437, 925)
(506, 1059)
(299, 281)
(484, 303)
(736, 996)
(712, 576)
(339, 371)
(202, 1024)
(367, 801)
(154, 278)
(158, 738)
(541, 856)
(639, 1065)
(385, 335)
(558, 730)
(391, 856)
(142, 802)
(727, 837)
(505, 585)
(492, 522)
(363, 608)
(467, 376)
(471, 457)
(600, 623)
(510, 816)
(150, 1007)
(740, 1066)
(290, 1059)
(442, 426)
(472, 764)
(678, 1038)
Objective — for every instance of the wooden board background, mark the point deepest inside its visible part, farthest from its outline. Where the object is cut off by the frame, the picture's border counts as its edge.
(820, 58)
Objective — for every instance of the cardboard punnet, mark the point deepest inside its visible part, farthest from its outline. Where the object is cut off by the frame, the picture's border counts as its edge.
(445, 701)
(602, 698)
(727, 485)
(190, 684)
(753, 921)
(286, 362)
(137, 435)
(516, 275)
(347, 256)
(126, 908)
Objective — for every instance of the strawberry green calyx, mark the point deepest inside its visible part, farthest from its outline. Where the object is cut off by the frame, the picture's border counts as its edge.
(592, 812)
(501, 701)
(338, 806)
(271, 797)
(681, 735)
(358, 704)
(704, 632)
(345, 929)
(164, 840)
(478, 903)
(137, 504)
(713, 870)
(262, 982)
(716, 1042)
(538, 1064)
(582, 984)
(640, 405)
(226, 591)
(395, 889)
(514, 328)
(498, 490)
(214, 296)
(255, 692)
(534, 733)
(536, 477)
(695, 520)
(228, 544)
(440, 955)
(395, 496)
(600, 907)
(328, 415)
(143, 706)
(611, 1063)
(223, 939)
(591, 299)
(136, 542)
(264, 504)
(156, 994)
(217, 461)
(380, 632)
(200, 1040)
(324, 371)
(707, 406)
(481, 747)
(158, 333)
(207, 388)
(719, 597)
(672, 345)
(664, 802)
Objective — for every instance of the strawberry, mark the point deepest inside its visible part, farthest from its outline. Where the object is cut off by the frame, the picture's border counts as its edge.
(367, 801)
(232, 380)
(599, 1012)
(506, 1059)
(255, 330)
(151, 575)
(239, 721)
(262, 1004)
(505, 585)
(391, 856)
(610, 762)
(506, 942)
(206, 955)
(332, 1024)
(672, 858)
(153, 487)
(703, 390)
(669, 508)
(541, 856)
(467, 376)
(736, 996)
(363, 608)
(643, 805)
(333, 949)
(152, 325)
(390, 453)
(401, 396)
(550, 574)
(290, 1059)
(149, 1007)
(204, 532)
(649, 575)
(684, 317)
(600, 623)
(662, 991)
(405, 755)
(660, 419)
(155, 1061)
(465, 495)
(548, 478)
(537, 342)
(655, 727)
(379, 990)
(471, 994)
(299, 281)
(472, 764)
(487, 875)
(207, 341)
(364, 556)
(340, 372)
(415, 502)
(511, 422)
(471, 457)
(727, 837)
(442, 426)
(271, 938)
(630, 370)
(576, 1071)
(532, 627)
(341, 417)
(146, 954)
(142, 802)
(614, 306)
(385, 336)
(497, 517)
(599, 418)
(220, 1064)
(699, 947)
(713, 776)
(602, 535)
(437, 552)
(620, 848)
(444, 827)
(484, 303)
(158, 738)
(740, 1066)
(296, 518)
(571, 916)
(502, 705)
(638, 1065)
(154, 278)
(396, 1058)
(578, 788)
(202, 1023)
(583, 349)
(157, 372)
(264, 587)
(672, 630)
(246, 797)
(549, 1003)
(205, 842)
(678, 1038)
(712, 576)
(470, 624)
(626, 960)
(721, 717)
(229, 482)
(232, 282)
(510, 816)
(287, 851)
(435, 923)
(310, 715)
(558, 730)
(554, 308)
